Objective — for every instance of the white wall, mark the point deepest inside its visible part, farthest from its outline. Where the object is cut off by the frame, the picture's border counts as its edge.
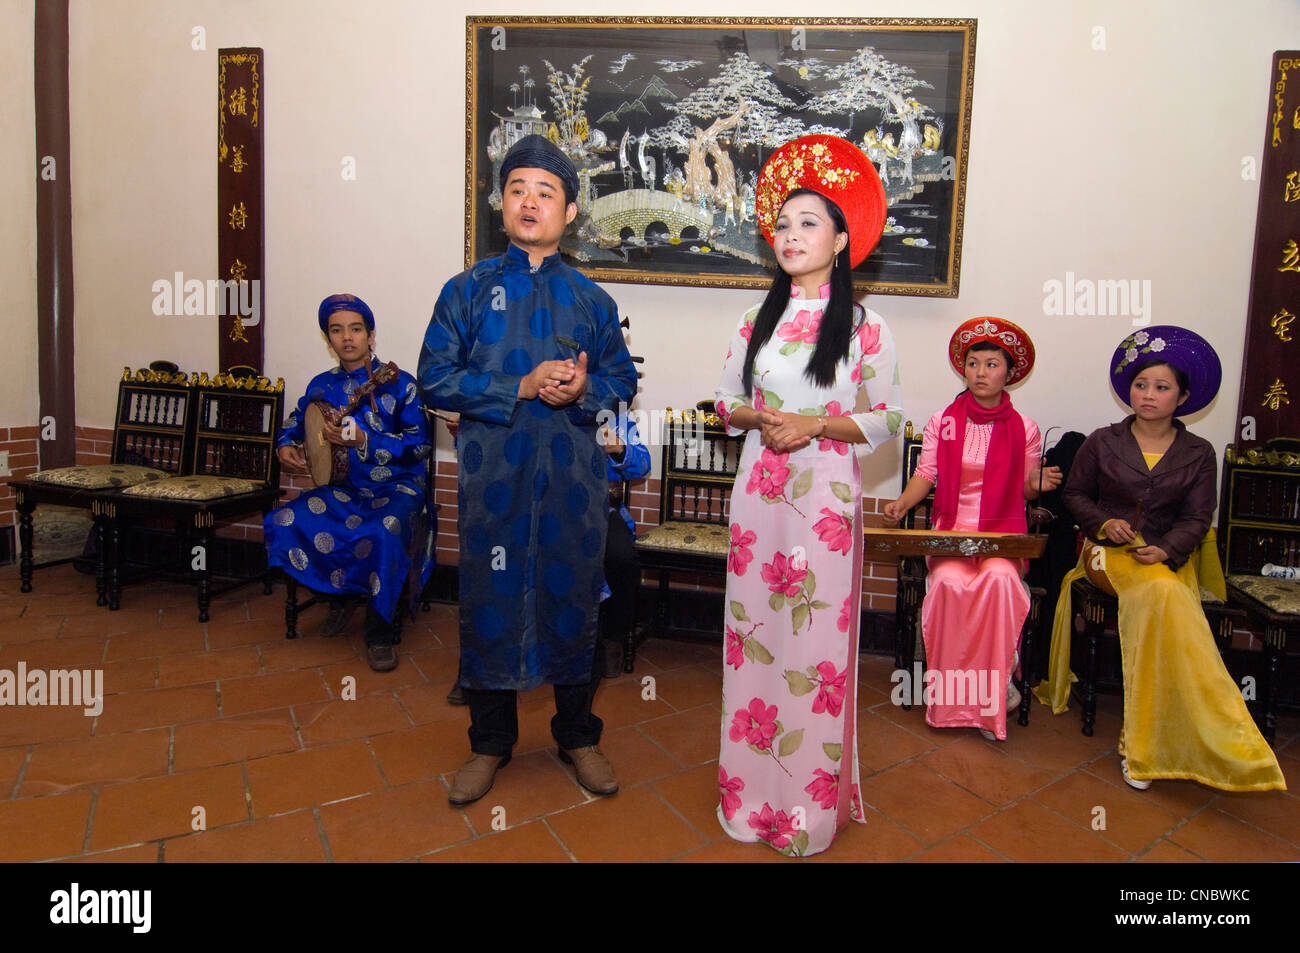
(18, 394)
(1117, 163)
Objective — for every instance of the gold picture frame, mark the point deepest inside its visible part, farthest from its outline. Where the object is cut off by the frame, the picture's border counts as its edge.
(669, 120)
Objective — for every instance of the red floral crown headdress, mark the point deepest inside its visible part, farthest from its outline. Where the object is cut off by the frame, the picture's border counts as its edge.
(835, 169)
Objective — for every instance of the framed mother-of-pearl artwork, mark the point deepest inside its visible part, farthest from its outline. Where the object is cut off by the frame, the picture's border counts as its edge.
(669, 120)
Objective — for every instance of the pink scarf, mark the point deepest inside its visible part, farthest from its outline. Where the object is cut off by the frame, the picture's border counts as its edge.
(1002, 499)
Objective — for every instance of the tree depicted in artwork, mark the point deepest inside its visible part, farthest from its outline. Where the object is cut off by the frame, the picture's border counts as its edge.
(868, 81)
(700, 180)
(529, 83)
(569, 93)
(740, 104)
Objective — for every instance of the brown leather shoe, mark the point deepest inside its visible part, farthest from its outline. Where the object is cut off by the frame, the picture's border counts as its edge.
(474, 779)
(382, 656)
(595, 773)
(457, 695)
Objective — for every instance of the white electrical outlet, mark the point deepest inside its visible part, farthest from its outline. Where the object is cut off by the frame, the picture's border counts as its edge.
(4, 463)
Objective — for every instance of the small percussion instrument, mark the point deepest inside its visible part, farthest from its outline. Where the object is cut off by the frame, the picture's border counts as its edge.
(933, 542)
(328, 462)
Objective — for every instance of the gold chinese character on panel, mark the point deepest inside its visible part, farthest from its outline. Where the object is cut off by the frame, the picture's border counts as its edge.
(1291, 188)
(237, 162)
(238, 271)
(239, 102)
(1290, 256)
(1279, 93)
(1281, 324)
(237, 329)
(239, 219)
(1276, 396)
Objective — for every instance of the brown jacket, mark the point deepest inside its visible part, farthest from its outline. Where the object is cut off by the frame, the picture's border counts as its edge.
(1110, 476)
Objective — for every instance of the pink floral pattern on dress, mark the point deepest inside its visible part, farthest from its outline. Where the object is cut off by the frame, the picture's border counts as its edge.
(756, 724)
(802, 329)
(826, 444)
(742, 646)
(735, 648)
(846, 615)
(825, 789)
(869, 338)
(769, 474)
(835, 530)
(775, 827)
(739, 555)
(729, 793)
(830, 693)
(781, 577)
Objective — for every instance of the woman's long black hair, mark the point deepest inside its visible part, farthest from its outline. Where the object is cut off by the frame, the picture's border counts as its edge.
(838, 322)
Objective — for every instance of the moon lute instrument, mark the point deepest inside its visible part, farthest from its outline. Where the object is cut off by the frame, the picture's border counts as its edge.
(328, 462)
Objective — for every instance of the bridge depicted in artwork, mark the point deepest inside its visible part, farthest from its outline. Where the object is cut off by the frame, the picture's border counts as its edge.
(638, 209)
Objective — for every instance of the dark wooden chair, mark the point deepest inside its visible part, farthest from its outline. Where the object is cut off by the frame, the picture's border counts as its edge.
(699, 466)
(1259, 524)
(912, 583)
(152, 440)
(234, 472)
(911, 569)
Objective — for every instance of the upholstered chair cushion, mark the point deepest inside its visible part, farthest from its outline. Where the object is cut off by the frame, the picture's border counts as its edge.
(193, 488)
(104, 476)
(707, 538)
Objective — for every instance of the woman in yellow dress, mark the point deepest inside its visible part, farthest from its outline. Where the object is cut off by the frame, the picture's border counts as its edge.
(1144, 489)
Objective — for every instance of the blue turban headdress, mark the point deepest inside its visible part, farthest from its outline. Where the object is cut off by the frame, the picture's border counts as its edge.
(344, 302)
(538, 152)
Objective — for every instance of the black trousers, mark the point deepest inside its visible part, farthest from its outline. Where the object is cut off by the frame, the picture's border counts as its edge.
(494, 716)
(623, 574)
(379, 631)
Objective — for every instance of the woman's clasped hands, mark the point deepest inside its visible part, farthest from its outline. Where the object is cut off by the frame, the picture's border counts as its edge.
(786, 433)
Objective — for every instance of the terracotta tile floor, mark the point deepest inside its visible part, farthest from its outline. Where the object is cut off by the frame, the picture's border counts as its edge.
(223, 741)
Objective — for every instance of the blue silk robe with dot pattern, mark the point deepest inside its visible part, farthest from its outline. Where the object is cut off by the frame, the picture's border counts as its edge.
(357, 536)
(533, 487)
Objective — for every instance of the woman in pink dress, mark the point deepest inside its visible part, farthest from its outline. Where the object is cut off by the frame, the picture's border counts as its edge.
(811, 377)
(983, 457)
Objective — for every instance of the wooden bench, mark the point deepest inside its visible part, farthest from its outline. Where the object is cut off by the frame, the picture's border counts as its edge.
(152, 440)
(699, 465)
